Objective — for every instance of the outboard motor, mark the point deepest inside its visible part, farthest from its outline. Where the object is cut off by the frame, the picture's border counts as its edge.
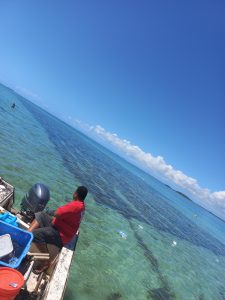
(35, 200)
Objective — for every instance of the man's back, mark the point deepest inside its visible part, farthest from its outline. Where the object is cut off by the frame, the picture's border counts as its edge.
(68, 219)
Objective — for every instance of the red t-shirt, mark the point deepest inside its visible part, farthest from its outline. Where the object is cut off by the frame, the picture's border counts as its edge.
(69, 219)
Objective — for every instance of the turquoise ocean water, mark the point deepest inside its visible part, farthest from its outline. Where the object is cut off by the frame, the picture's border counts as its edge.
(139, 238)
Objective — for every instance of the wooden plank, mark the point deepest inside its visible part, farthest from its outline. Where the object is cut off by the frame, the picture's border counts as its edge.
(58, 281)
(2, 209)
(23, 224)
(28, 272)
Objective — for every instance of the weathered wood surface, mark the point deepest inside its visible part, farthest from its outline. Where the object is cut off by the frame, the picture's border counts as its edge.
(56, 288)
(58, 281)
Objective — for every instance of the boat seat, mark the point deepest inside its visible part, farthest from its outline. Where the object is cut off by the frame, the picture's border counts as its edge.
(52, 250)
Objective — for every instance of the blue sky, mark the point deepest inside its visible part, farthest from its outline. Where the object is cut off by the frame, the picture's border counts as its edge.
(145, 77)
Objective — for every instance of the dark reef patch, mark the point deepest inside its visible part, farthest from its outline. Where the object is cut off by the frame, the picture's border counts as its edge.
(164, 290)
(89, 163)
(159, 294)
(114, 296)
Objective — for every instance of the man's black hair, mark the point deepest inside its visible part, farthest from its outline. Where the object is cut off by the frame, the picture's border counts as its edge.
(81, 192)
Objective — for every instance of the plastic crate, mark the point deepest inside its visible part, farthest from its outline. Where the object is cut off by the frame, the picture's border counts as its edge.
(9, 218)
(6, 194)
(21, 240)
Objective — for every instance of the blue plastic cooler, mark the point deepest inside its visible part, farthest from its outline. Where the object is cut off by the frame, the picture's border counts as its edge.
(21, 240)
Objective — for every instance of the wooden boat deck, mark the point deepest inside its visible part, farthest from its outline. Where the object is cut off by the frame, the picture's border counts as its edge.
(51, 284)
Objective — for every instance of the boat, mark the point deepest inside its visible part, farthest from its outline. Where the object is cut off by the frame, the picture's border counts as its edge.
(51, 283)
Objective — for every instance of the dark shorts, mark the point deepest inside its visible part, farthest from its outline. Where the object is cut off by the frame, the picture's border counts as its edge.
(47, 233)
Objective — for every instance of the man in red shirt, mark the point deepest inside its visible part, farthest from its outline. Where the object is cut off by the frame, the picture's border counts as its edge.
(63, 227)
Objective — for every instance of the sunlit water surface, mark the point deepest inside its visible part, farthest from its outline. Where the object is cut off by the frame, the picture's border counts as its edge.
(139, 238)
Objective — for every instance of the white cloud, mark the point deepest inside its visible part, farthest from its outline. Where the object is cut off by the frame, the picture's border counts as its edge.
(85, 127)
(219, 195)
(214, 201)
(158, 166)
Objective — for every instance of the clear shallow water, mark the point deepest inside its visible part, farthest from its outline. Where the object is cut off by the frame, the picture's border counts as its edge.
(168, 252)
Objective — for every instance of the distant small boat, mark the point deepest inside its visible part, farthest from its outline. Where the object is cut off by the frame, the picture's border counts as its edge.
(13, 105)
